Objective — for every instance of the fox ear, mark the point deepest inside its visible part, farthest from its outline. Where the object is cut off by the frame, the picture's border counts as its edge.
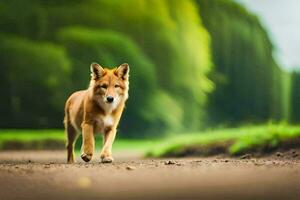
(97, 71)
(123, 71)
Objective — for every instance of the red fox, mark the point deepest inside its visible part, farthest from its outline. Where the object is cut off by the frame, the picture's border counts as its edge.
(97, 109)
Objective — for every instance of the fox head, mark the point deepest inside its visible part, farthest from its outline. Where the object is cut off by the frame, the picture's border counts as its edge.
(109, 87)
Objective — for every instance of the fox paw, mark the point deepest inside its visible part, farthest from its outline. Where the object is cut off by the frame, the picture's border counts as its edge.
(71, 161)
(86, 157)
(107, 159)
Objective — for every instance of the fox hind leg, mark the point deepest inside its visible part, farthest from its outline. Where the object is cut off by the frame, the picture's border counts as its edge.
(72, 136)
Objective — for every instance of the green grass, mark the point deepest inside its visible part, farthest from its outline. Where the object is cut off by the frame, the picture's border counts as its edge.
(120, 144)
(27, 139)
(39, 139)
(27, 135)
(236, 141)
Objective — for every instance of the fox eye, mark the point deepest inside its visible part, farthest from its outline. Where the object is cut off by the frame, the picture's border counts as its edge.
(104, 86)
(117, 86)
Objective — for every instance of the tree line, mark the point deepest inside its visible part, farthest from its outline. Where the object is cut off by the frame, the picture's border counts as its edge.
(193, 64)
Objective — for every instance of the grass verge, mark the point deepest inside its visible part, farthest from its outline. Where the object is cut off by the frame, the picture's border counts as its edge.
(232, 141)
(32, 139)
(55, 139)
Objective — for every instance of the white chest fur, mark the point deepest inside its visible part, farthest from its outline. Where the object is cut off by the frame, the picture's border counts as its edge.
(108, 120)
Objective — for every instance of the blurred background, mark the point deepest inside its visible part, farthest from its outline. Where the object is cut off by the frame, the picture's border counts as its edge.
(196, 65)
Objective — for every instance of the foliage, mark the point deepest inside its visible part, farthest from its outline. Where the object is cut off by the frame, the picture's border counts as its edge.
(194, 63)
(168, 52)
(141, 113)
(245, 71)
(35, 77)
(295, 98)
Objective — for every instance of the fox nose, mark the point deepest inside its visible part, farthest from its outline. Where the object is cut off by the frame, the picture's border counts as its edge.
(109, 99)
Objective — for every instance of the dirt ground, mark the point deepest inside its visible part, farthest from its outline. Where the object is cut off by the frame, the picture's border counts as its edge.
(44, 175)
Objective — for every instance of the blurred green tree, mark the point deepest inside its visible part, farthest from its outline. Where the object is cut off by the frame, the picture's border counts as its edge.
(246, 75)
(295, 98)
(171, 46)
(35, 79)
(173, 39)
(169, 52)
(141, 116)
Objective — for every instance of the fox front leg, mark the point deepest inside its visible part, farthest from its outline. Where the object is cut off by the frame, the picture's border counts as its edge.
(108, 139)
(88, 143)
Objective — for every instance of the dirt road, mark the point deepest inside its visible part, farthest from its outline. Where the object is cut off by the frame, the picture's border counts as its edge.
(44, 175)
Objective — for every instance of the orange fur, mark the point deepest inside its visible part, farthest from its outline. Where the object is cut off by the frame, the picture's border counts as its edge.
(90, 111)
